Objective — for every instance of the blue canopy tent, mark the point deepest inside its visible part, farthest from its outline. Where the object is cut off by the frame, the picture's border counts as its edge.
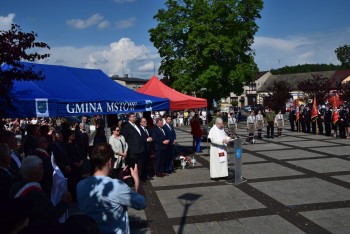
(68, 91)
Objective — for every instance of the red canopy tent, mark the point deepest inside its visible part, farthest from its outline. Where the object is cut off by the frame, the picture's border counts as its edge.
(178, 101)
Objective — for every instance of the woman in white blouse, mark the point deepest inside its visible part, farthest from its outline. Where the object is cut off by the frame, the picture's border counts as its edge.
(120, 148)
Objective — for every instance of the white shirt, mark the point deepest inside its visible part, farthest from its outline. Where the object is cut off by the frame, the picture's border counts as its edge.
(259, 117)
(251, 119)
(232, 121)
(145, 129)
(169, 126)
(162, 131)
(134, 125)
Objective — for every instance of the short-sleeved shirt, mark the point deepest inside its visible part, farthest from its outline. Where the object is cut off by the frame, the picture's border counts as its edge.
(106, 201)
(270, 116)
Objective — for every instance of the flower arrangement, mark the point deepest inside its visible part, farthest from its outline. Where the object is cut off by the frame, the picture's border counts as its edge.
(184, 161)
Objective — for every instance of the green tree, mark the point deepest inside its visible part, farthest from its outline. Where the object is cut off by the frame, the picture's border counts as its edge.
(278, 95)
(318, 86)
(345, 91)
(14, 45)
(343, 55)
(207, 44)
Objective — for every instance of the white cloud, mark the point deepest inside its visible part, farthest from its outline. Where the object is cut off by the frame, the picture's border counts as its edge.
(95, 19)
(147, 66)
(126, 23)
(6, 21)
(104, 24)
(272, 53)
(281, 44)
(119, 58)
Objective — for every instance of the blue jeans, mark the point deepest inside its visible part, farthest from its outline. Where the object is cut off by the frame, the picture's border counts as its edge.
(198, 143)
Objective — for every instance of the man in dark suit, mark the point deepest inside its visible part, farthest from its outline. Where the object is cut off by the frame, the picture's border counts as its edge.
(341, 122)
(171, 135)
(60, 153)
(148, 148)
(292, 118)
(302, 117)
(42, 152)
(160, 146)
(132, 135)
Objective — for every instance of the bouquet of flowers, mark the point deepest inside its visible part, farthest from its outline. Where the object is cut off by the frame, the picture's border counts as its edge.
(184, 161)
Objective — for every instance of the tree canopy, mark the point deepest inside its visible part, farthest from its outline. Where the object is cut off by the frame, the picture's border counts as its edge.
(207, 44)
(343, 55)
(277, 96)
(345, 91)
(303, 68)
(14, 45)
(316, 87)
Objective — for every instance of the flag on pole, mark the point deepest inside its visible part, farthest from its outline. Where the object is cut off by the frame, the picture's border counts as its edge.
(335, 115)
(297, 114)
(314, 112)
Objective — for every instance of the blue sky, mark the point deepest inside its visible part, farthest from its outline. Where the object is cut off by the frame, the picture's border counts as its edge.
(112, 35)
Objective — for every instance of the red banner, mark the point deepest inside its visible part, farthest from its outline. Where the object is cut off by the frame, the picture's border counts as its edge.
(335, 111)
(314, 112)
(296, 106)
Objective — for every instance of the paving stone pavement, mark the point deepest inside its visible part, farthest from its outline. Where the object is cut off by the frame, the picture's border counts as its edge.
(297, 183)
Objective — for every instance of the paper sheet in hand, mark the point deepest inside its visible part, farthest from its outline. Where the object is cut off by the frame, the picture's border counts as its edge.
(222, 155)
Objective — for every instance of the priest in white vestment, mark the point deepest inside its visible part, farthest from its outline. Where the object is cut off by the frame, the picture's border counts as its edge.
(218, 150)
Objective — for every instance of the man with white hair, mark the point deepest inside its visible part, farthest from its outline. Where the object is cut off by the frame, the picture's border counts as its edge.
(30, 190)
(218, 151)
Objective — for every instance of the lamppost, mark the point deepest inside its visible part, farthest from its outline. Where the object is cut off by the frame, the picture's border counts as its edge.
(187, 200)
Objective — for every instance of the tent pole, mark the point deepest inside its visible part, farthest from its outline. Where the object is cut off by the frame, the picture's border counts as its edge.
(106, 123)
(207, 128)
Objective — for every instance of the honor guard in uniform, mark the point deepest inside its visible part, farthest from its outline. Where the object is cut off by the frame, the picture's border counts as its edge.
(302, 114)
(292, 118)
(320, 118)
(259, 123)
(308, 119)
(341, 122)
(232, 123)
(328, 121)
(347, 122)
(279, 121)
(251, 125)
(270, 118)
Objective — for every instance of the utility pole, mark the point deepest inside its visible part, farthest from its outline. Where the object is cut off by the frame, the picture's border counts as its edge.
(123, 66)
(154, 67)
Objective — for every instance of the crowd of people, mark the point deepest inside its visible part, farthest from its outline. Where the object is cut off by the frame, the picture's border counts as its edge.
(51, 162)
(184, 117)
(46, 164)
(329, 121)
(326, 120)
